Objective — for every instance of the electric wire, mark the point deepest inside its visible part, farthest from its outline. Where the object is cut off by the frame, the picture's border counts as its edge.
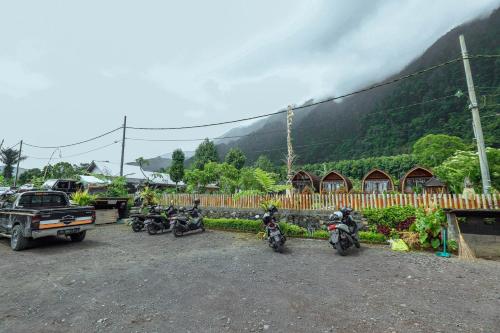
(76, 143)
(74, 155)
(200, 139)
(404, 77)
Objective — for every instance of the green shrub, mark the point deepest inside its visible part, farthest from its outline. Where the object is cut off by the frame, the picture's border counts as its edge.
(234, 224)
(321, 234)
(83, 198)
(372, 237)
(292, 230)
(428, 225)
(390, 216)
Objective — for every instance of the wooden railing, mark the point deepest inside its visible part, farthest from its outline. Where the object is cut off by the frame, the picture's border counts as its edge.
(357, 201)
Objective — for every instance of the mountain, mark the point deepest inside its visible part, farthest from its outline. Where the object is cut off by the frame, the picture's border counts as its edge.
(382, 121)
(161, 162)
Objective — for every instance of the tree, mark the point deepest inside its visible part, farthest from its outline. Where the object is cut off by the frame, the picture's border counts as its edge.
(236, 158)
(61, 170)
(117, 188)
(466, 164)
(177, 168)
(28, 175)
(142, 163)
(9, 157)
(205, 153)
(264, 163)
(433, 149)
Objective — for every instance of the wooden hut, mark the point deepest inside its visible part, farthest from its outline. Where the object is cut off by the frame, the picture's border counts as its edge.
(334, 182)
(415, 179)
(434, 185)
(305, 182)
(377, 181)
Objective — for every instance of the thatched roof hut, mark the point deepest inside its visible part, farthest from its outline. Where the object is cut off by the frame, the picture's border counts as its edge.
(304, 181)
(334, 182)
(377, 181)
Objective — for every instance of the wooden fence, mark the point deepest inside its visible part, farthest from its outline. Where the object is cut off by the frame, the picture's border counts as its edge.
(335, 201)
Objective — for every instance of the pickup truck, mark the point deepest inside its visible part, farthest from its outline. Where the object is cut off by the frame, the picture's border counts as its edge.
(35, 214)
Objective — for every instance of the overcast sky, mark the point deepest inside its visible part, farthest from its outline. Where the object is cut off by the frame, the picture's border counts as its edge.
(70, 70)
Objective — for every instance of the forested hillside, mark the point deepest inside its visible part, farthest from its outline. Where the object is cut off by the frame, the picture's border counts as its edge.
(382, 121)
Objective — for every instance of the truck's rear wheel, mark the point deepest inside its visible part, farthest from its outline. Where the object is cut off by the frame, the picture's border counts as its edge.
(18, 242)
(78, 237)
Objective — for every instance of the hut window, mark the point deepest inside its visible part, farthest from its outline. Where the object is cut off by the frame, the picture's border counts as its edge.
(376, 186)
(413, 182)
(333, 186)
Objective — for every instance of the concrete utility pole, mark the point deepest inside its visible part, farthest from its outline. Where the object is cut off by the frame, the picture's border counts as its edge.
(18, 160)
(291, 155)
(123, 145)
(476, 120)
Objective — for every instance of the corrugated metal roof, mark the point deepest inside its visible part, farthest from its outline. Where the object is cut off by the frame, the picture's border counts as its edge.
(132, 173)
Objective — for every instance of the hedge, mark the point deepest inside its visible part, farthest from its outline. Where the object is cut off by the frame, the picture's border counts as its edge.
(290, 230)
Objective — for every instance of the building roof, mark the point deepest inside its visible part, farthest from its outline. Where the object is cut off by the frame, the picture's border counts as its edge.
(132, 173)
(93, 180)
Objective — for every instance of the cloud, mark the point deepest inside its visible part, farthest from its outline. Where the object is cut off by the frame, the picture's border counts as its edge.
(17, 81)
(183, 62)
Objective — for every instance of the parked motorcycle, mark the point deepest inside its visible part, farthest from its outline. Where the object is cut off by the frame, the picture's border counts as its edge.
(159, 219)
(275, 237)
(187, 220)
(343, 231)
(138, 218)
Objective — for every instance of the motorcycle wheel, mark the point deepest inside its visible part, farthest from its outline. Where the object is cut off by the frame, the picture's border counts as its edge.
(356, 243)
(202, 227)
(137, 226)
(152, 229)
(177, 232)
(340, 249)
(278, 247)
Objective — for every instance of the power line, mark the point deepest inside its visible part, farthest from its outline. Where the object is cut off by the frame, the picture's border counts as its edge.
(308, 105)
(13, 146)
(74, 155)
(76, 143)
(332, 141)
(200, 139)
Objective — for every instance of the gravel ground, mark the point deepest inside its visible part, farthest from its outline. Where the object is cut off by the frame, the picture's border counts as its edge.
(119, 281)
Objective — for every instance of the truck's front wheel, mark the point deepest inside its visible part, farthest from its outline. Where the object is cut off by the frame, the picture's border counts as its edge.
(18, 242)
(78, 237)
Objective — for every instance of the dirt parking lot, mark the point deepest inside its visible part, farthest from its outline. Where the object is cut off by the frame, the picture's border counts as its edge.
(119, 281)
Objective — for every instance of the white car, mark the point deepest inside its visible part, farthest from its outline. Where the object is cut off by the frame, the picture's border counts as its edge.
(26, 187)
(4, 190)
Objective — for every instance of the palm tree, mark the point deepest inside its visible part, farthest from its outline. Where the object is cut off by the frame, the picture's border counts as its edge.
(9, 157)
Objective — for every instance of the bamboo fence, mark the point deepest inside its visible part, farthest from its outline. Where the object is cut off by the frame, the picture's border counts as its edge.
(358, 201)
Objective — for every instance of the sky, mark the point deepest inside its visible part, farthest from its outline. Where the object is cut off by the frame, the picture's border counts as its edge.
(71, 70)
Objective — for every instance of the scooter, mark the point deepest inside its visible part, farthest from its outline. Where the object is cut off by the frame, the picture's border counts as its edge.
(187, 221)
(157, 222)
(138, 218)
(343, 231)
(275, 237)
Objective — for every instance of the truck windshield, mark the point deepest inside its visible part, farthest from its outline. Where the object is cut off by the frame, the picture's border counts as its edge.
(30, 200)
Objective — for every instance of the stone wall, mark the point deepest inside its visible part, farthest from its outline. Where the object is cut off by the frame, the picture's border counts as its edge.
(304, 218)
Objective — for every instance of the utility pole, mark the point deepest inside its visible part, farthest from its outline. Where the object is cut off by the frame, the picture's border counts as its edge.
(123, 145)
(291, 155)
(18, 160)
(476, 120)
